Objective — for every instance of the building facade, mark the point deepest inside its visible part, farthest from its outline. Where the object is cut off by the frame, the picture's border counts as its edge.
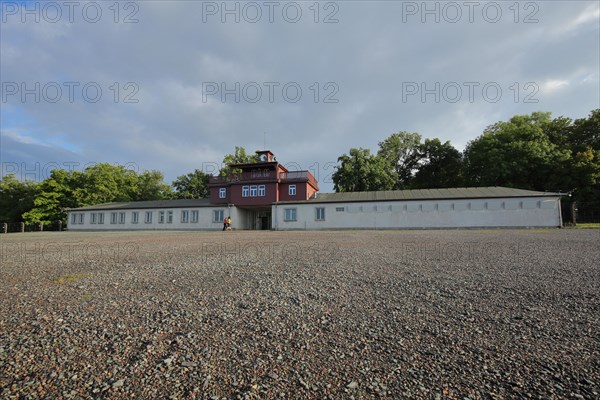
(265, 195)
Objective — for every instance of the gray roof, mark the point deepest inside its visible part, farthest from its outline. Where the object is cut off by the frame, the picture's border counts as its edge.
(426, 194)
(181, 203)
(346, 197)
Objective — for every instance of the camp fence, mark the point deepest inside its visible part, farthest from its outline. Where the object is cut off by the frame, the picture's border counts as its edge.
(13, 227)
(580, 213)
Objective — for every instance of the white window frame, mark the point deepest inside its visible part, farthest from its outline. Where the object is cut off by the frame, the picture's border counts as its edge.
(161, 217)
(148, 217)
(169, 217)
(73, 218)
(135, 217)
(320, 210)
(121, 218)
(113, 217)
(261, 190)
(292, 190)
(185, 216)
(81, 218)
(93, 218)
(222, 193)
(290, 214)
(245, 191)
(253, 190)
(194, 216)
(101, 218)
(218, 216)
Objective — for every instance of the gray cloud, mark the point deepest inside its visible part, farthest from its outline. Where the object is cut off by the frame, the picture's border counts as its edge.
(369, 54)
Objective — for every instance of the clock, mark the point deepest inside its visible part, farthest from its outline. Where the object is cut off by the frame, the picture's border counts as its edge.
(263, 157)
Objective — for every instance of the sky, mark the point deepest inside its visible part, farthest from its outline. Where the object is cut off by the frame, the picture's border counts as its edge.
(175, 85)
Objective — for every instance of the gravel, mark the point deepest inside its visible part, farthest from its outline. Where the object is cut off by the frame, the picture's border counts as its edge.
(448, 314)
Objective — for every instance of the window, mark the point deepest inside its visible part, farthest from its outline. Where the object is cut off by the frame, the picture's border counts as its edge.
(92, 218)
(195, 216)
(169, 217)
(253, 192)
(245, 191)
(218, 215)
(161, 217)
(185, 216)
(339, 209)
(222, 193)
(73, 218)
(261, 190)
(292, 190)
(81, 215)
(135, 217)
(113, 217)
(289, 214)
(320, 213)
(100, 218)
(121, 217)
(148, 217)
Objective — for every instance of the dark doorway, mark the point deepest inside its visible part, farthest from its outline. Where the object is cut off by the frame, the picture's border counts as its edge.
(265, 223)
(263, 220)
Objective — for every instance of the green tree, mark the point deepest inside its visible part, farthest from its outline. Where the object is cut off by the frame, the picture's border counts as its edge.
(362, 171)
(586, 132)
(103, 183)
(580, 172)
(239, 157)
(440, 166)
(151, 186)
(517, 153)
(56, 193)
(400, 151)
(192, 186)
(16, 198)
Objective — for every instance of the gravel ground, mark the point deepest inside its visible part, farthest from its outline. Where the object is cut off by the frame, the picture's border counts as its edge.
(454, 314)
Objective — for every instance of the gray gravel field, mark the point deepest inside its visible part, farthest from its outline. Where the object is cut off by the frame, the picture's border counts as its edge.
(441, 314)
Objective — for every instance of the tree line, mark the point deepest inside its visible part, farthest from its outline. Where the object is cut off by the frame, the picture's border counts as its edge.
(46, 201)
(533, 152)
(529, 152)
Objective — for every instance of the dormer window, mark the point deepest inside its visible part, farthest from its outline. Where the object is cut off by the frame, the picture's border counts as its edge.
(292, 190)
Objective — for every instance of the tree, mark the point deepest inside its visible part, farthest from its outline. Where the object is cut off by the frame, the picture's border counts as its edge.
(581, 171)
(192, 186)
(586, 132)
(103, 183)
(16, 198)
(239, 157)
(440, 166)
(56, 193)
(400, 151)
(517, 153)
(151, 186)
(362, 171)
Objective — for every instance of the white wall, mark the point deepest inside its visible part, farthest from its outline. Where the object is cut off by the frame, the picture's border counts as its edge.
(506, 212)
(205, 216)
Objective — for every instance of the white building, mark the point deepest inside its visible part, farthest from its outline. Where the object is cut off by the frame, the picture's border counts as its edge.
(427, 208)
(265, 195)
(402, 209)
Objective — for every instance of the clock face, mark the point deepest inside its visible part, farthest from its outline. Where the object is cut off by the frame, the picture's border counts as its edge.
(263, 157)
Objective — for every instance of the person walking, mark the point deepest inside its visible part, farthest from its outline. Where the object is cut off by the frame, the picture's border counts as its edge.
(229, 223)
(225, 220)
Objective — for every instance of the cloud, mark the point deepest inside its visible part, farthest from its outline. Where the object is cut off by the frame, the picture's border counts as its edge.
(554, 85)
(588, 16)
(165, 60)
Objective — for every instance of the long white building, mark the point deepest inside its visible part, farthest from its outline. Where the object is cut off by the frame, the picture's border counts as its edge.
(267, 196)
